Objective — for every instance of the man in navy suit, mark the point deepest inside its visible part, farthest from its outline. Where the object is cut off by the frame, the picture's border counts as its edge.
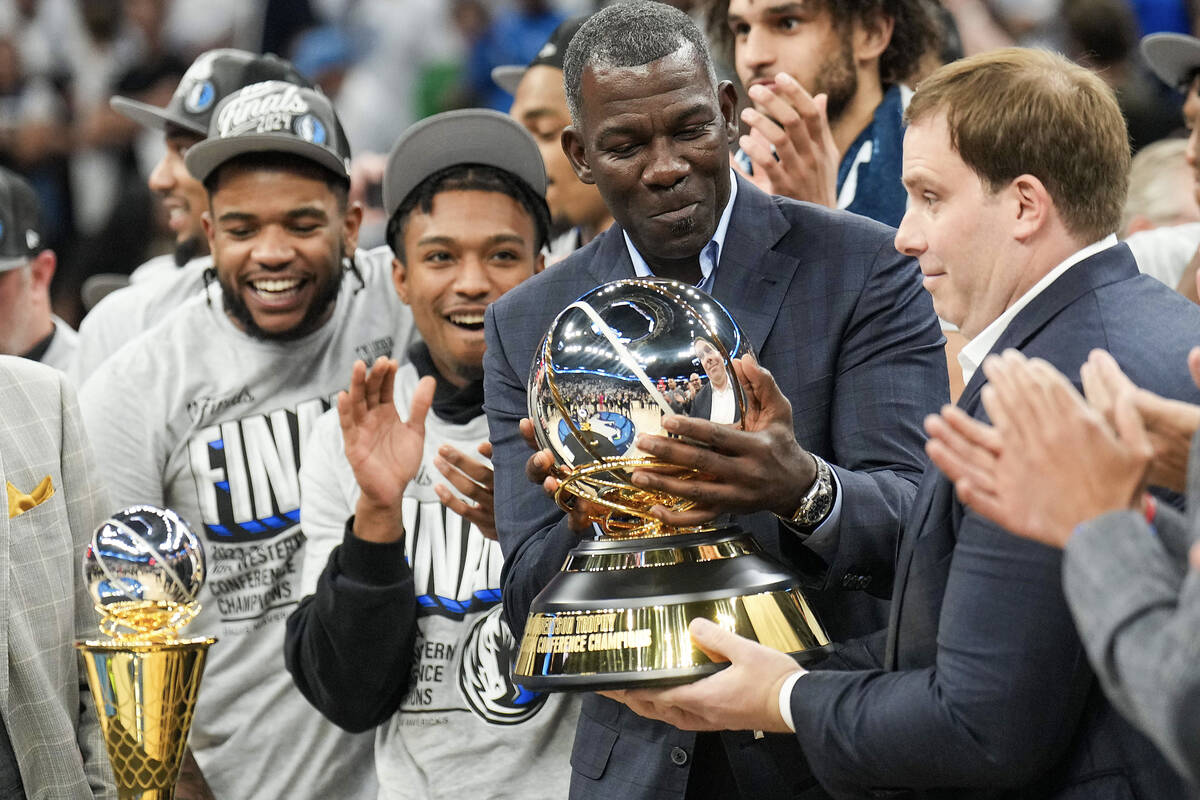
(1016, 164)
(826, 302)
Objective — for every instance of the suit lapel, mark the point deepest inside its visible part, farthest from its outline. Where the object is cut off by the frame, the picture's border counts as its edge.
(750, 275)
(1107, 266)
(611, 261)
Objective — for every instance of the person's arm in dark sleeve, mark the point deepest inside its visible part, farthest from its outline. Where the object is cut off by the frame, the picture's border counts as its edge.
(891, 375)
(349, 645)
(1000, 704)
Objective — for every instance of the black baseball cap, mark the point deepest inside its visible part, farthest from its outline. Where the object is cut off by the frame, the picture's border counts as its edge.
(20, 221)
(212, 77)
(465, 136)
(272, 117)
(508, 76)
(1174, 57)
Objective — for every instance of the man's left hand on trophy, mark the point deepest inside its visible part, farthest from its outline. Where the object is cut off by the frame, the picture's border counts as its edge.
(540, 469)
(759, 468)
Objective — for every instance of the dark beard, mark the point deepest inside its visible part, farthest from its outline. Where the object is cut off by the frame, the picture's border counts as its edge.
(838, 80)
(237, 309)
(188, 249)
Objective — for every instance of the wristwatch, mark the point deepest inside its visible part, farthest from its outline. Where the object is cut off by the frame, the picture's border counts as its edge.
(818, 501)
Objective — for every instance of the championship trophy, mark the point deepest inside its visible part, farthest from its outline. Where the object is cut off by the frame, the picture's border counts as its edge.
(144, 568)
(612, 365)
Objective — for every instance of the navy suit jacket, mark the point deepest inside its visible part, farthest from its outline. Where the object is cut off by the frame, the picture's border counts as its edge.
(842, 321)
(983, 688)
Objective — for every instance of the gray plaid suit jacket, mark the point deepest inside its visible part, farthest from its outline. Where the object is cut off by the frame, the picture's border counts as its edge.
(44, 606)
(841, 320)
(1137, 606)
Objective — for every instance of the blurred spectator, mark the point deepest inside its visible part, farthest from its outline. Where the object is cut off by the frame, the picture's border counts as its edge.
(514, 37)
(34, 138)
(1175, 59)
(1102, 35)
(27, 328)
(398, 40)
(1161, 218)
(577, 210)
(323, 54)
(1162, 189)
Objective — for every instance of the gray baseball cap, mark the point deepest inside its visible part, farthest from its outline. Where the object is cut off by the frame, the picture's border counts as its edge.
(466, 136)
(508, 76)
(211, 78)
(272, 117)
(1174, 57)
(20, 221)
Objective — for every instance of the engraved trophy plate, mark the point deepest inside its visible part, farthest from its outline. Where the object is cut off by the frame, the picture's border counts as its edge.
(613, 364)
(144, 569)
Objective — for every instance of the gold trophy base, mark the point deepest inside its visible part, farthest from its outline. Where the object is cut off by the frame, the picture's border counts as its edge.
(617, 615)
(145, 695)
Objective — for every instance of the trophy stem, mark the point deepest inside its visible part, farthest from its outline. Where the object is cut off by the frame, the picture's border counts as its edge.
(145, 695)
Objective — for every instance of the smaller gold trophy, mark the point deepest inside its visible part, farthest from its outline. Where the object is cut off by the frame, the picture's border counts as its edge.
(144, 568)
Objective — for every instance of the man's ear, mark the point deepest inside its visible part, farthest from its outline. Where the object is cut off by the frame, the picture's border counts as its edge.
(210, 231)
(728, 99)
(871, 37)
(572, 145)
(42, 267)
(1034, 206)
(351, 223)
(400, 279)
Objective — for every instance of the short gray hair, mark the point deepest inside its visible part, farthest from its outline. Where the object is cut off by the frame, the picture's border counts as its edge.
(1155, 168)
(629, 34)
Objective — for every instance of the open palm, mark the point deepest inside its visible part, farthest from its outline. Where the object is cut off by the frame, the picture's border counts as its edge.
(383, 450)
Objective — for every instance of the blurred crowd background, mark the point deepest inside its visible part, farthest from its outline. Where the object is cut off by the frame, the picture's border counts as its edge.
(386, 64)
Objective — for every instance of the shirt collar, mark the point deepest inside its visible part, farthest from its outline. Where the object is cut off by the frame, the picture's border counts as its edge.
(710, 256)
(974, 351)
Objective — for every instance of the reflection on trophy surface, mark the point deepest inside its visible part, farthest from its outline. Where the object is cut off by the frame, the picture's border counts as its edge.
(613, 364)
(144, 569)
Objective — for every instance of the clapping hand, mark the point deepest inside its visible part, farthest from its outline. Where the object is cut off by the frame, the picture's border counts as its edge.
(1048, 461)
(791, 145)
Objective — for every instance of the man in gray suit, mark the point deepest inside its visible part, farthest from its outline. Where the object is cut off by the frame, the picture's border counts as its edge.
(1072, 474)
(51, 747)
(828, 304)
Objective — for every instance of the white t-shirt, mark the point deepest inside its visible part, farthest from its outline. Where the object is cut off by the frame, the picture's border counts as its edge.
(464, 729)
(121, 315)
(200, 417)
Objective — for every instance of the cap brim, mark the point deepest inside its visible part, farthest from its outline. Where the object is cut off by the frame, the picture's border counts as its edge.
(1172, 56)
(466, 136)
(203, 158)
(508, 77)
(15, 262)
(152, 116)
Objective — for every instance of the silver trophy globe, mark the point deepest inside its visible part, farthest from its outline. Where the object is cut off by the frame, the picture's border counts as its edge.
(613, 365)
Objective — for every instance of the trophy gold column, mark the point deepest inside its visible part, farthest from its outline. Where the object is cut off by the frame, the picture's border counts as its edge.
(144, 569)
(612, 365)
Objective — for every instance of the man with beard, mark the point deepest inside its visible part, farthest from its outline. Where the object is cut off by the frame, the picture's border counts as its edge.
(824, 78)
(163, 282)
(577, 210)
(402, 630)
(207, 413)
(823, 298)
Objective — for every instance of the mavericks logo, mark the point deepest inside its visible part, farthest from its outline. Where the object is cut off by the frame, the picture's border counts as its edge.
(485, 676)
